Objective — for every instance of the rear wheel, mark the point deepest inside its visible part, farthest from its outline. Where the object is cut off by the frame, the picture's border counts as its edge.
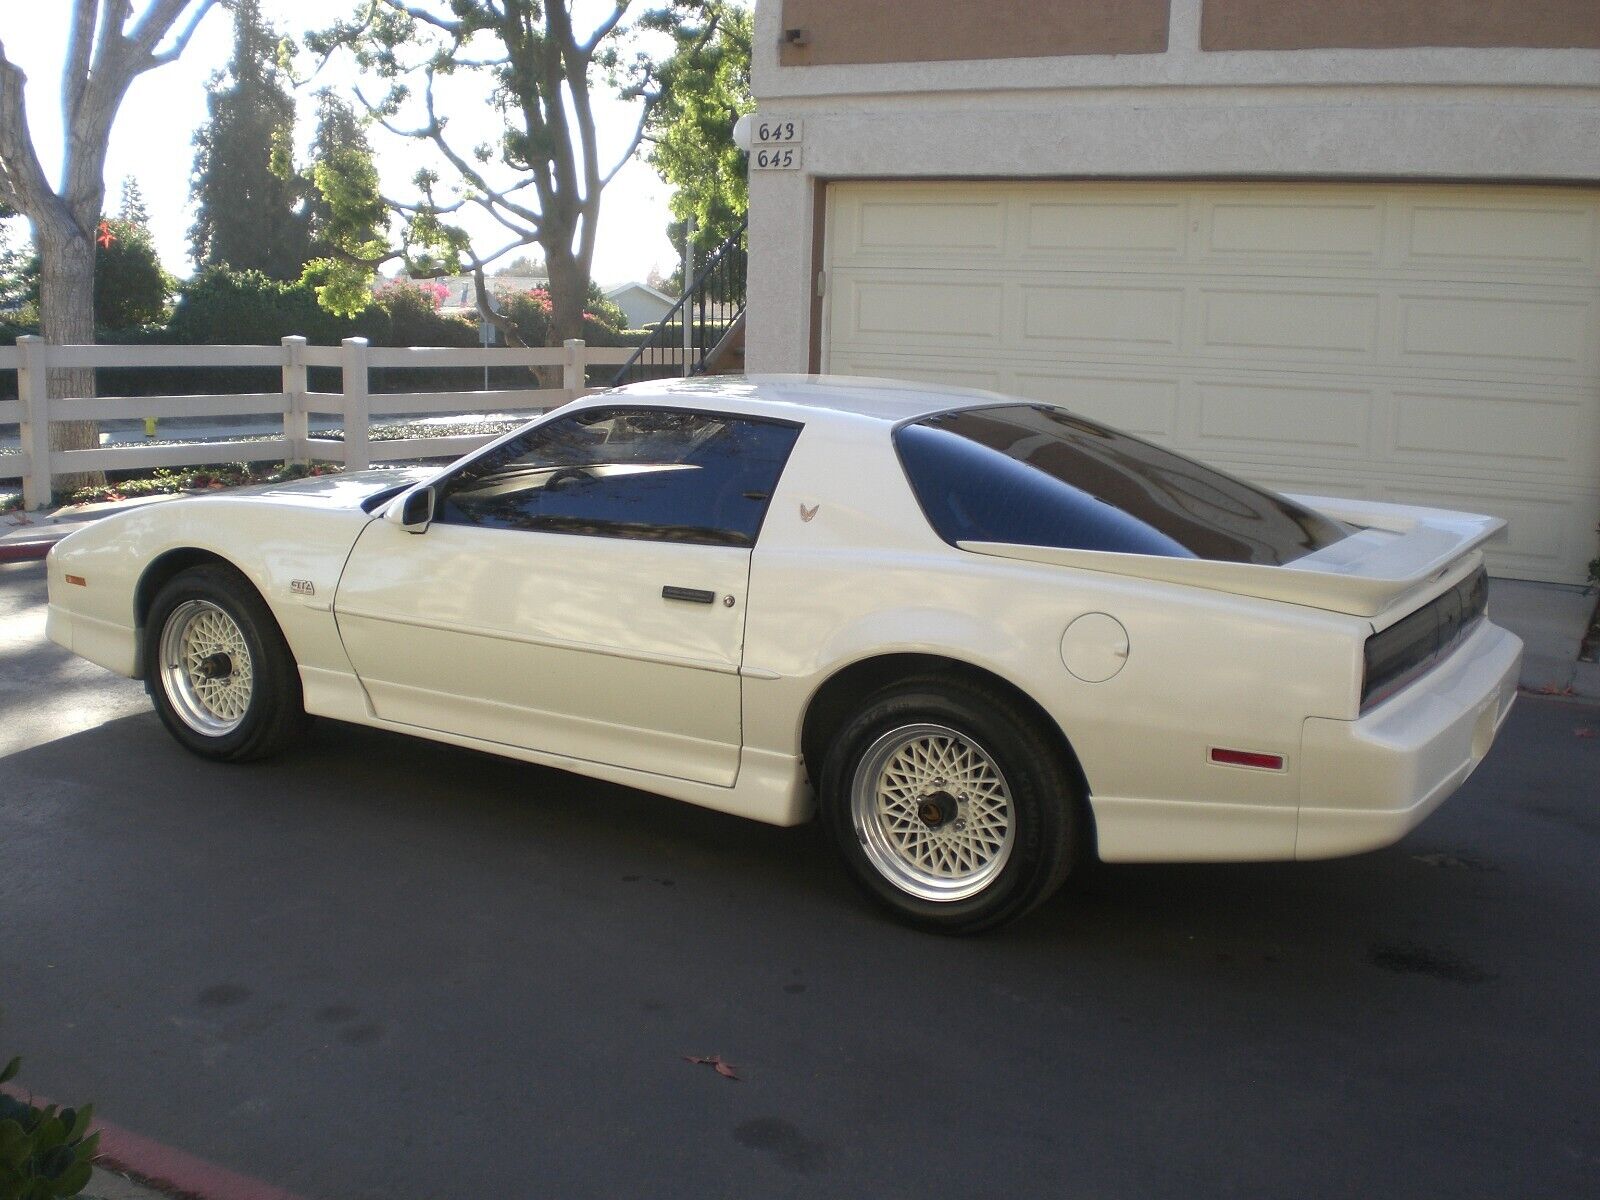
(222, 678)
(950, 805)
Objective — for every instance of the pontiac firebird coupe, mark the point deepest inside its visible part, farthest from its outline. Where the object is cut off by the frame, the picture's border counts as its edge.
(985, 638)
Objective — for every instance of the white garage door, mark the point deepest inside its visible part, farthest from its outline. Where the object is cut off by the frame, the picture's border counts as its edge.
(1429, 344)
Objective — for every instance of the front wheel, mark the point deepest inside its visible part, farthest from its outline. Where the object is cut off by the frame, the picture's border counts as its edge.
(951, 806)
(222, 678)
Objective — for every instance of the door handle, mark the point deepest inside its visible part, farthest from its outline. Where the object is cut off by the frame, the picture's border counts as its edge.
(692, 595)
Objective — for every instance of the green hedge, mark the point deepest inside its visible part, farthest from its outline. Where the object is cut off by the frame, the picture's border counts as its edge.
(221, 306)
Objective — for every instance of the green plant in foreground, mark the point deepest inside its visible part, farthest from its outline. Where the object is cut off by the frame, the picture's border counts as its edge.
(189, 479)
(44, 1152)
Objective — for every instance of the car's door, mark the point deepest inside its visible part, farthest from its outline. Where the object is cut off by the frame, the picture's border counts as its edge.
(580, 591)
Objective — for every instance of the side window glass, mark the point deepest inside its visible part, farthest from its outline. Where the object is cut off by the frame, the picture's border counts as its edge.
(654, 474)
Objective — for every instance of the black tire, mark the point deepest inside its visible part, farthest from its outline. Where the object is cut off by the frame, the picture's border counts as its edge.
(273, 714)
(1045, 809)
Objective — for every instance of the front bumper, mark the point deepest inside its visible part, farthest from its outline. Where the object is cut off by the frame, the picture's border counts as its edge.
(1367, 783)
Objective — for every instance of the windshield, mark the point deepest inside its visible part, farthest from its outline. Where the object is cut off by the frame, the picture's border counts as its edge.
(1033, 475)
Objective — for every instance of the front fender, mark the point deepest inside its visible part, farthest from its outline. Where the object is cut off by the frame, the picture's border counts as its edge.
(291, 555)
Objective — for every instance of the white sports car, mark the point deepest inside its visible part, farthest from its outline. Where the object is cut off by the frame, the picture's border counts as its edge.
(984, 637)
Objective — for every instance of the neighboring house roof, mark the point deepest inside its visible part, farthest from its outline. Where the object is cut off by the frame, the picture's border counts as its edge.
(654, 293)
(642, 304)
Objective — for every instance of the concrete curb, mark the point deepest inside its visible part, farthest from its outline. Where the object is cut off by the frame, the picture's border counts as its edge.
(157, 1170)
(28, 549)
(106, 1184)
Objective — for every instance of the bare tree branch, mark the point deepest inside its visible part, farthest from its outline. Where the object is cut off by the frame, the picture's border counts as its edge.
(587, 48)
(633, 143)
(80, 45)
(181, 42)
(453, 28)
(26, 182)
(435, 134)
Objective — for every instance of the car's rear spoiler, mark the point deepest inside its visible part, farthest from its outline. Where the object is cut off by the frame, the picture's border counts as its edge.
(1395, 550)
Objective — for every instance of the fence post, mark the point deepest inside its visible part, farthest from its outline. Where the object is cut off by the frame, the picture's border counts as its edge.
(33, 391)
(688, 282)
(574, 374)
(296, 416)
(357, 405)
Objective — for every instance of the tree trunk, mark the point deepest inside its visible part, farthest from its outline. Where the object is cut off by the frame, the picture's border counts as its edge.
(569, 292)
(66, 318)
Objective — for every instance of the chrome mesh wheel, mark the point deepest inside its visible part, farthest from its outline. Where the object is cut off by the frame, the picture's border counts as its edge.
(933, 812)
(206, 669)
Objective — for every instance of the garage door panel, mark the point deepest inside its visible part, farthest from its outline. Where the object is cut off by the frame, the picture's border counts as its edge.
(1488, 432)
(846, 363)
(1087, 230)
(1104, 316)
(1292, 232)
(1284, 324)
(1317, 420)
(1536, 333)
(1147, 407)
(933, 312)
(890, 228)
(1432, 343)
(1538, 238)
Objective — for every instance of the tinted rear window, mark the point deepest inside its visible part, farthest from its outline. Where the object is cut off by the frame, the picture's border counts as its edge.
(1038, 476)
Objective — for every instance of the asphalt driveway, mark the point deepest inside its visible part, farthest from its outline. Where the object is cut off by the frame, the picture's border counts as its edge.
(383, 968)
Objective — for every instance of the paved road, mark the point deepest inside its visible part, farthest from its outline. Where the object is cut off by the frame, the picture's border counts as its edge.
(383, 968)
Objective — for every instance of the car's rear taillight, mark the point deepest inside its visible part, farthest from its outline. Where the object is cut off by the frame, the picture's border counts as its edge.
(1412, 644)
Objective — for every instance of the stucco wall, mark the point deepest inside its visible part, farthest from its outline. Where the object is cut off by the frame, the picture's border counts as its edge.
(1508, 113)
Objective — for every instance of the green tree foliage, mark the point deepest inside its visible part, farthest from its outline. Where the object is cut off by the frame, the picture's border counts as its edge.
(13, 261)
(543, 178)
(130, 286)
(222, 306)
(348, 216)
(133, 207)
(249, 201)
(705, 88)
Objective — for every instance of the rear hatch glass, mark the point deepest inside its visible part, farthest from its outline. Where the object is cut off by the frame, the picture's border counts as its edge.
(1037, 476)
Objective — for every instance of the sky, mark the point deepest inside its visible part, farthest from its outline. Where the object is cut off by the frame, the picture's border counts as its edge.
(153, 137)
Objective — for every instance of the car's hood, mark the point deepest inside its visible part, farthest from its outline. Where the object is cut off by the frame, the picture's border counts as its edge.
(349, 490)
(1397, 549)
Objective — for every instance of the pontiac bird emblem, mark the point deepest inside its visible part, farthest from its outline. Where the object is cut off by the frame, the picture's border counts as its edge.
(807, 513)
(302, 587)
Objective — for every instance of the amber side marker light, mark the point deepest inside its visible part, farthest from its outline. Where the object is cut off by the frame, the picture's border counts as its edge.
(78, 579)
(1247, 758)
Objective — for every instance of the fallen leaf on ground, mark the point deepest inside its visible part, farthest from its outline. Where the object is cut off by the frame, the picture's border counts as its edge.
(1584, 731)
(714, 1061)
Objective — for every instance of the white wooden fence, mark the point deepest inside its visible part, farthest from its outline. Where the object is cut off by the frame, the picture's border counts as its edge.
(355, 404)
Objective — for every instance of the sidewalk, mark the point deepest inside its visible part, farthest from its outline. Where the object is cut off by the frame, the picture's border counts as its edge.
(1551, 619)
(109, 1185)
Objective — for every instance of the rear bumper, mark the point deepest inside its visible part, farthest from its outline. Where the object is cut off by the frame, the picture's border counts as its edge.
(1367, 783)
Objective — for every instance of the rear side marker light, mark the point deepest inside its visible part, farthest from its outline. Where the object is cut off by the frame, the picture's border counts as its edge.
(1247, 758)
(78, 579)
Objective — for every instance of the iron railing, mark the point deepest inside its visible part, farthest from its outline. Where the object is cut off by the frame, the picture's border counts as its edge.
(699, 320)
